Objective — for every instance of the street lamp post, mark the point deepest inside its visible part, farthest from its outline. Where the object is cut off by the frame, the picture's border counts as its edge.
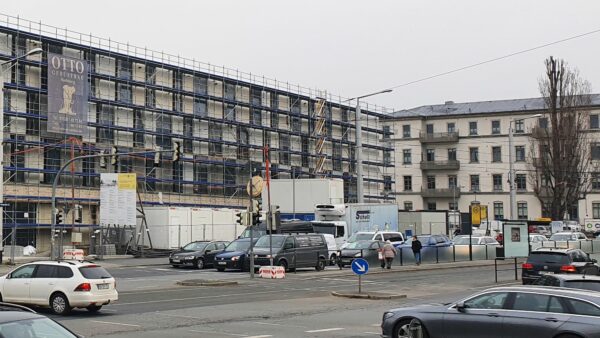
(358, 127)
(2, 70)
(511, 164)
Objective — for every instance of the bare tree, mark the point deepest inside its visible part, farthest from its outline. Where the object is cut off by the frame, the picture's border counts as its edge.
(561, 174)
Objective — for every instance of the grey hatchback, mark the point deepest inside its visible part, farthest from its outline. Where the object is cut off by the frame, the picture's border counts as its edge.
(516, 312)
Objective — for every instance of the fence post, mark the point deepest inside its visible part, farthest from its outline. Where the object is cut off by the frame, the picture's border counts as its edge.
(437, 254)
(401, 260)
(454, 253)
(496, 270)
(295, 270)
(516, 275)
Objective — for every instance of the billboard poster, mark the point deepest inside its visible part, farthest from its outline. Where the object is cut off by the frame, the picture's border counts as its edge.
(68, 90)
(118, 199)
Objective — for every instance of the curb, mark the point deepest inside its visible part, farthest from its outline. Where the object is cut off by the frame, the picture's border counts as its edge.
(374, 296)
(204, 282)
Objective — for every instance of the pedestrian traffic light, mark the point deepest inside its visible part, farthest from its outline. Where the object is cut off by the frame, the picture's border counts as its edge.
(114, 159)
(59, 216)
(176, 151)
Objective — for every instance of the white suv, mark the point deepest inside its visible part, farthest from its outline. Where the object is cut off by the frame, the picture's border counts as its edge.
(61, 285)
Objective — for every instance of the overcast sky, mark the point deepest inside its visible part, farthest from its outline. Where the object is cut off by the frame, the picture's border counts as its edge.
(353, 47)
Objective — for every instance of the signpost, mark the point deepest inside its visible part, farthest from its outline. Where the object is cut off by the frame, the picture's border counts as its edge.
(360, 267)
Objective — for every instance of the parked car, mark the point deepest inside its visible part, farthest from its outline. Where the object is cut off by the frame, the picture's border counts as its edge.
(360, 249)
(553, 261)
(475, 240)
(516, 312)
(235, 255)
(199, 254)
(292, 251)
(392, 236)
(18, 321)
(60, 285)
(534, 238)
(427, 241)
(585, 282)
(568, 236)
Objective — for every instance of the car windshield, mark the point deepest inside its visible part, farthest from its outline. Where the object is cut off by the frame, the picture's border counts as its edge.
(548, 258)
(94, 272)
(195, 246)
(360, 237)
(465, 240)
(257, 233)
(238, 246)
(324, 228)
(562, 237)
(359, 245)
(264, 241)
(593, 285)
(34, 328)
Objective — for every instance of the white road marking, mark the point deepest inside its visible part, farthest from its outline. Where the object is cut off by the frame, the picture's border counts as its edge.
(374, 333)
(262, 336)
(325, 330)
(375, 324)
(115, 323)
(221, 333)
(163, 270)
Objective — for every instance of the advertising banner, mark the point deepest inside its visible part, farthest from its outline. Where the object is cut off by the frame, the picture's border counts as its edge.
(118, 199)
(68, 90)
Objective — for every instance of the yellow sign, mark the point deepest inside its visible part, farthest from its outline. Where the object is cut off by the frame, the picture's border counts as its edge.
(484, 212)
(475, 214)
(127, 182)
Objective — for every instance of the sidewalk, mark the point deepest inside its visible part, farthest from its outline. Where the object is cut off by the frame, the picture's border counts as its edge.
(120, 261)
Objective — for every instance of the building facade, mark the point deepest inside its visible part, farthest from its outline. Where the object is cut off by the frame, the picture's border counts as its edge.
(146, 100)
(452, 154)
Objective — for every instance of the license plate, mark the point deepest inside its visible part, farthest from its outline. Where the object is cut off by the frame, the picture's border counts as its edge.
(546, 272)
(103, 286)
(222, 263)
(176, 261)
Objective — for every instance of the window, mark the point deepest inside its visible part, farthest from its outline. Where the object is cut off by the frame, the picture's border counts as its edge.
(177, 176)
(473, 128)
(296, 124)
(17, 158)
(531, 302)
(387, 157)
(138, 123)
(521, 182)
(595, 151)
(408, 206)
(474, 182)
(543, 122)
(24, 272)
(430, 182)
(522, 210)
(274, 120)
(178, 102)
(429, 128)
(431, 206)
(200, 85)
(452, 181)
(451, 127)
(596, 181)
(215, 134)
(406, 131)
(474, 155)
(188, 131)
(387, 183)
(498, 211)
(88, 167)
(337, 156)
(408, 185)
(583, 308)
(495, 127)
(406, 156)
(52, 163)
(496, 154)
(452, 154)
(520, 153)
(519, 126)
(594, 124)
(493, 300)
(45, 271)
(386, 132)
(257, 117)
(452, 206)
(430, 155)
(596, 210)
(200, 107)
(229, 112)
(124, 93)
(256, 96)
(497, 182)
(150, 98)
(124, 69)
(105, 116)
(229, 91)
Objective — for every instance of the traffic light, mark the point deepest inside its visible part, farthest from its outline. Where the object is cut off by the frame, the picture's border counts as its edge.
(176, 151)
(157, 159)
(256, 211)
(240, 218)
(103, 159)
(78, 213)
(114, 159)
(59, 216)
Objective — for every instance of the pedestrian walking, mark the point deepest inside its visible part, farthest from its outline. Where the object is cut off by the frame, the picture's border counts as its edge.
(416, 248)
(389, 252)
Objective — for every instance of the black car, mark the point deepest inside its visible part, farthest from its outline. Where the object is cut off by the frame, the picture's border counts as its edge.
(545, 261)
(292, 251)
(585, 282)
(199, 254)
(360, 249)
(235, 255)
(19, 321)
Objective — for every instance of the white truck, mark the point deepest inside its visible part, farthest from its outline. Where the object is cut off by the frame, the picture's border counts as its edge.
(343, 220)
(174, 227)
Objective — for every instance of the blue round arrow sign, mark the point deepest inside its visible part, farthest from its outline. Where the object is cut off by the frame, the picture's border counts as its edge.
(360, 266)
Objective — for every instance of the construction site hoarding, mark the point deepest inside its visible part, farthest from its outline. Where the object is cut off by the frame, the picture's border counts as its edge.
(118, 199)
(68, 91)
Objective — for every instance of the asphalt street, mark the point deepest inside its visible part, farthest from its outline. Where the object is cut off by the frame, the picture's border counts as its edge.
(152, 306)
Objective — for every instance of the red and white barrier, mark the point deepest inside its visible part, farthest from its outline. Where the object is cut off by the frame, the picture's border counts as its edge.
(76, 254)
(271, 272)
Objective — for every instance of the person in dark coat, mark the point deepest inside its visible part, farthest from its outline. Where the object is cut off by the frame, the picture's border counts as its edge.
(416, 249)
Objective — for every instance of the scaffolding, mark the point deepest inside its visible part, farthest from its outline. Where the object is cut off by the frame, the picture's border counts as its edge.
(144, 99)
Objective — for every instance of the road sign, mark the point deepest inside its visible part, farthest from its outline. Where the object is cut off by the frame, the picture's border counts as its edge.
(257, 186)
(360, 266)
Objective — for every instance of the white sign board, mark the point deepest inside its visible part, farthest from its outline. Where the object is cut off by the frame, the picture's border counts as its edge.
(118, 199)
(516, 239)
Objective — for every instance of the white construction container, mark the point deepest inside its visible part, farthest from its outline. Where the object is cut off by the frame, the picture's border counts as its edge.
(215, 224)
(301, 195)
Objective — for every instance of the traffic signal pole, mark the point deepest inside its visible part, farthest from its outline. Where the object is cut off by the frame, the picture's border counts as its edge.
(250, 209)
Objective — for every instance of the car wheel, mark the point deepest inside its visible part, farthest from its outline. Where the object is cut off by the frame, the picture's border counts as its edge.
(60, 304)
(320, 265)
(402, 329)
(94, 308)
(199, 264)
(283, 264)
(0, 297)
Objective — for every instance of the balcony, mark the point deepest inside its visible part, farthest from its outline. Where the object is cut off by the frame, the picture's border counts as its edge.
(450, 137)
(440, 165)
(440, 193)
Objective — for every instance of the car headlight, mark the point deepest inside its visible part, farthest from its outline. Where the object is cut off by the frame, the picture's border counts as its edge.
(189, 257)
(235, 258)
(388, 315)
(358, 254)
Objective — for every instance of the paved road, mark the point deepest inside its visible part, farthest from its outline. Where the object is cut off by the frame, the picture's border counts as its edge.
(298, 306)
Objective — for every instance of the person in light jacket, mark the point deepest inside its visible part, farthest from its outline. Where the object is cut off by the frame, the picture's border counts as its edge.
(389, 252)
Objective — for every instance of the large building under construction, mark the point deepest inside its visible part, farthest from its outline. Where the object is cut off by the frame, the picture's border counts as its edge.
(146, 100)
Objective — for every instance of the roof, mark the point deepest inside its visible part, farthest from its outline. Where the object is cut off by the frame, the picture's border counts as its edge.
(451, 108)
